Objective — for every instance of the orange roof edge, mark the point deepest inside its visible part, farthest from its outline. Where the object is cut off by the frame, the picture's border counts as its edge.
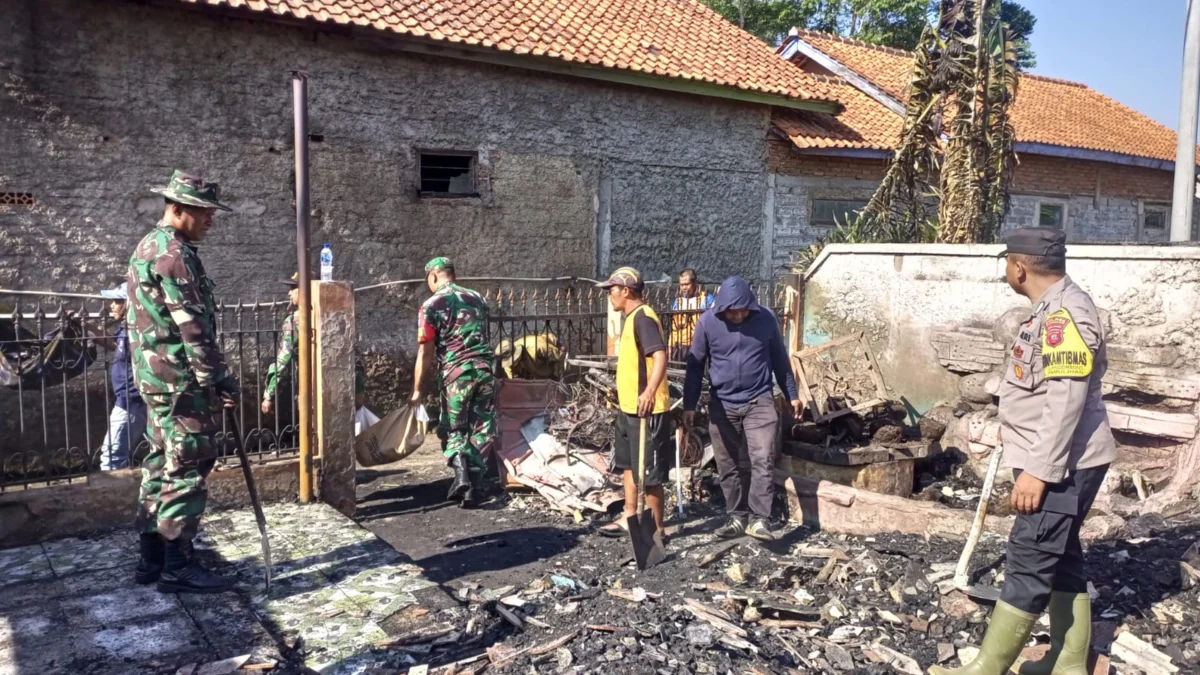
(679, 46)
(1052, 116)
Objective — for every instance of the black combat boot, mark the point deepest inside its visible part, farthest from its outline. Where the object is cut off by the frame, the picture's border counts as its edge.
(474, 496)
(462, 483)
(182, 574)
(151, 563)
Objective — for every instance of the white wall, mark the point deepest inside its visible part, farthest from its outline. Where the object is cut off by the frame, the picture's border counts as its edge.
(898, 293)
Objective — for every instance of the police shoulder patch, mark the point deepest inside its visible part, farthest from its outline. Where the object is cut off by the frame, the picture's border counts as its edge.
(1064, 352)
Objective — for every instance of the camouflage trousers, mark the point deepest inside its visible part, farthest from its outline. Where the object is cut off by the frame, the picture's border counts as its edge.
(183, 450)
(468, 417)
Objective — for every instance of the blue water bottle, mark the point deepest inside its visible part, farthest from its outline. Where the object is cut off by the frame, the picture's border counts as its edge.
(326, 263)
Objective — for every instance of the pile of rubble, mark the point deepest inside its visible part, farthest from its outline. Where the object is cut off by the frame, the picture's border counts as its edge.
(812, 602)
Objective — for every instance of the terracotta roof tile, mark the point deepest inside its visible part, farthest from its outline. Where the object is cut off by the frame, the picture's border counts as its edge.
(1048, 110)
(864, 124)
(689, 40)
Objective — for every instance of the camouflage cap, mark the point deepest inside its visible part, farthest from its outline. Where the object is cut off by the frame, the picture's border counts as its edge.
(625, 277)
(191, 190)
(439, 263)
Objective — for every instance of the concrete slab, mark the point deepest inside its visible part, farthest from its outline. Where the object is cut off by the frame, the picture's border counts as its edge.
(26, 563)
(70, 555)
(71, 605)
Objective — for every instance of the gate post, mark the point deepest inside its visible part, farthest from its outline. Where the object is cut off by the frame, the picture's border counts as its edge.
(333, 316)
(612, 329)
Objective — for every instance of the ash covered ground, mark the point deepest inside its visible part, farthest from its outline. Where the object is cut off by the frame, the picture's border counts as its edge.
(524, 588)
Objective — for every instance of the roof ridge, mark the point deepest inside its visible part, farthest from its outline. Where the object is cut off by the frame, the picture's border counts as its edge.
(797, 31)
(828, 79)
(1055, 80)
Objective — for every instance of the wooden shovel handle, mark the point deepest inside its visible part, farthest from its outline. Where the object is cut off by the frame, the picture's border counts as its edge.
(641, 477)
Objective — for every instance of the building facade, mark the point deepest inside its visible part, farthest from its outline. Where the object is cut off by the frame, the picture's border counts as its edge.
(1086, 163)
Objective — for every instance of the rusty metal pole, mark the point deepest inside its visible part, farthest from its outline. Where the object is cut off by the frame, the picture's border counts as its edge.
(304, 330)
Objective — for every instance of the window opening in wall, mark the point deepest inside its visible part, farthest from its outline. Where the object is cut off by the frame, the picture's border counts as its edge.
(835, 211)
(447, 174)
(1051, 214)
(1155, 217)
(16, 199)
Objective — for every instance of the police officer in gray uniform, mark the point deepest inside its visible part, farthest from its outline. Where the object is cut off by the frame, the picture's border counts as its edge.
(1058, 443)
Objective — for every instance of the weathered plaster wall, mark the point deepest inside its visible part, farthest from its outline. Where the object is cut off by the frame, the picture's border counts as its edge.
(898, 294)
(93, 121)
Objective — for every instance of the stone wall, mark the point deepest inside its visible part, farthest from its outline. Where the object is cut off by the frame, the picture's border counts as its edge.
(916, 302)
(566, 167)
(797, 180)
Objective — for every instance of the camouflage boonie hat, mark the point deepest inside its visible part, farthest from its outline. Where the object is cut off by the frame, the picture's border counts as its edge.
(192, 191)
(438, 263)
(626, 277)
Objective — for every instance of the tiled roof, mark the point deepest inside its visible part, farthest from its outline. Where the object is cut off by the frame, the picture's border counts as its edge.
(681, 39)
(864, 124)
(1047, 110)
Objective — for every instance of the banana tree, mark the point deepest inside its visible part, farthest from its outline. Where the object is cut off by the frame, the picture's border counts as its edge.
(950, 175)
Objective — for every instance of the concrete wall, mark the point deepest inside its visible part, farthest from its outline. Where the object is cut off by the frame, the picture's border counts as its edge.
(899, 294)
(101, 100)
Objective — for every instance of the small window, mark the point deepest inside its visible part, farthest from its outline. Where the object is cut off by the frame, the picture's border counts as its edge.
(1051, 214)
(1155, 218)
(16, 199)
(448, 174)
(835, 211)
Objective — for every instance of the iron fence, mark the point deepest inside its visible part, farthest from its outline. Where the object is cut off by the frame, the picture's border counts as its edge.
(576, 315)
(57, 399)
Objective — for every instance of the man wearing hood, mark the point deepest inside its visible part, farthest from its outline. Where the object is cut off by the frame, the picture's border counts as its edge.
(741, 344)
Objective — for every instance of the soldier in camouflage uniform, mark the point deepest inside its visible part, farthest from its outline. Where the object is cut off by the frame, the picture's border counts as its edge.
(289, 341)
(453, 323)
(181, 374)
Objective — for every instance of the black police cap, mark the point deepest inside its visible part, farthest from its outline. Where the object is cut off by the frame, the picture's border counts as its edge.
(1046, 242)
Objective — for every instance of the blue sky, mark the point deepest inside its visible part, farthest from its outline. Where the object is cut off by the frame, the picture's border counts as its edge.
(1131, 50)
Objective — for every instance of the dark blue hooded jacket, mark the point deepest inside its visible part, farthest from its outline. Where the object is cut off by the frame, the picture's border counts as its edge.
(742, 358)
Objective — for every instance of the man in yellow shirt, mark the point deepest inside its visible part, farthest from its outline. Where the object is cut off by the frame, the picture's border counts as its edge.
(685, 311)
(641, 393)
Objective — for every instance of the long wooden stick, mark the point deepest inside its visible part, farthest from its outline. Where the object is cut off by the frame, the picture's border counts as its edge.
(962, 579)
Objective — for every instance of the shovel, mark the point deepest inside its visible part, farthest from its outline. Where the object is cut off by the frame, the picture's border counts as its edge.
(962, 579)
(258, 512)
(648, 548)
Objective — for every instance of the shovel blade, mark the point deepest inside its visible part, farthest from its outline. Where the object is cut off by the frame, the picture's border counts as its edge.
(988, 595)
(648, 548)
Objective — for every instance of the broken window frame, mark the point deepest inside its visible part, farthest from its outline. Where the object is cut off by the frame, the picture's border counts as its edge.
(424, 154)
(845, 214)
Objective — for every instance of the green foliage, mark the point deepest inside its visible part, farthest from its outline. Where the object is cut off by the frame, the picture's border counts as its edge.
(892, 23)
(1020, 23)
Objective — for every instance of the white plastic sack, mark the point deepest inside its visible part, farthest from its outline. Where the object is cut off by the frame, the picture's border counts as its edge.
(364, 419)
(392, 438)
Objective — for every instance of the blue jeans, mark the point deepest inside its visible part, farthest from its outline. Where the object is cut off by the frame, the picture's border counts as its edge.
(126, 428)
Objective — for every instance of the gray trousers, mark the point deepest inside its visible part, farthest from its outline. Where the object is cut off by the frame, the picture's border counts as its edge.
(743, 441)
(1044, 551)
